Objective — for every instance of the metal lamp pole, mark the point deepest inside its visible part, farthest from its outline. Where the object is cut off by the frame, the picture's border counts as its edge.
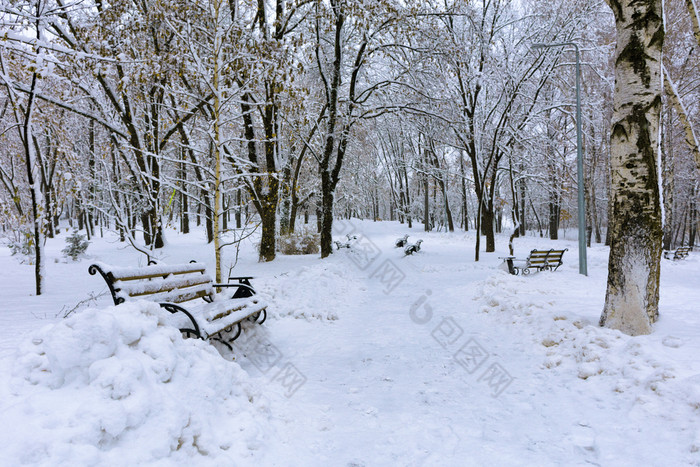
(582, 264)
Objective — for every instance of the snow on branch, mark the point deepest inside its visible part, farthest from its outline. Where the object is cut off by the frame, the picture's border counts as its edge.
(674, 96)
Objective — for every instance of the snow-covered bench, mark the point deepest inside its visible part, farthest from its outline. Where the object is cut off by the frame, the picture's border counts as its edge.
(542, 260)
(217, 315)
(347, 244)
(681, 253)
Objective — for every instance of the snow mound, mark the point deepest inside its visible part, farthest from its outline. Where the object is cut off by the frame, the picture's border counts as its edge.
(315, 292)
(573, 345)
(583, 347)
(118, 386)
(504, 293)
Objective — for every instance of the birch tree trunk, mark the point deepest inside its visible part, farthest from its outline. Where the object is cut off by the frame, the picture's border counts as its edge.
(631, 301)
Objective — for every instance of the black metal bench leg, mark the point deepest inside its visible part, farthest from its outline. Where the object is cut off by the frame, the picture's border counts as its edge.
(174, 308)
(227, 342)
(223, 342)
(511, 269)
(256, 316)
(238, 332)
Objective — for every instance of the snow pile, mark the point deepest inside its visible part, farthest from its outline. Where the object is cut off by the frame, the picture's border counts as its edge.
(637, 371)
(579, 346)
(118, 386)
(315, 292)
(507, 294)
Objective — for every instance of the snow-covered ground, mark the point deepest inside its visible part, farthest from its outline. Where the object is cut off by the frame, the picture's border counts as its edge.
(368, 358)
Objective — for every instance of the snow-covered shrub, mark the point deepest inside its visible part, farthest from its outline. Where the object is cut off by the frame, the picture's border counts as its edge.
(75, 245)
(301, 242)
(21, 242)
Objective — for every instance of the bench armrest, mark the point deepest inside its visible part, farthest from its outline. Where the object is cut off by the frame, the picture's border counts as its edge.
(175, 308)
(240, 278)
(242, 290)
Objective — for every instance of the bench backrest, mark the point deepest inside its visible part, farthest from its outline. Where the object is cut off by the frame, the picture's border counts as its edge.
(539, 258)
(175, 283)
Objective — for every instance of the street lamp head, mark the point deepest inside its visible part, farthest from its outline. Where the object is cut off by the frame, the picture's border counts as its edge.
(539, 46)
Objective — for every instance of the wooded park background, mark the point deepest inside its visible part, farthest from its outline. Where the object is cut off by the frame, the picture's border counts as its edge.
(280, 115)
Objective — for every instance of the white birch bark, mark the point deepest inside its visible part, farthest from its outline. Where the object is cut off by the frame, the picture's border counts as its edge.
(631, 302)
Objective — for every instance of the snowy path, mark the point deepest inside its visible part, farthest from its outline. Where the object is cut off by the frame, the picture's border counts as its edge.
(388, 388)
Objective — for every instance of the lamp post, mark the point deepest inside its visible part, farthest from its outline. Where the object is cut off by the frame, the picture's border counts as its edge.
(582, 266)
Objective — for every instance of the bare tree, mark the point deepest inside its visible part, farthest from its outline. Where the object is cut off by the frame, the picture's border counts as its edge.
(31, 15)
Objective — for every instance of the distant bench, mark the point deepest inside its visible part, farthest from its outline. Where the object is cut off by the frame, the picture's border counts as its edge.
(542, 260)
(680, 253)
(169, 285)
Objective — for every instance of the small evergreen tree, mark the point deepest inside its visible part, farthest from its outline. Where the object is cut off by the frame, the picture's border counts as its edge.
(75, 245)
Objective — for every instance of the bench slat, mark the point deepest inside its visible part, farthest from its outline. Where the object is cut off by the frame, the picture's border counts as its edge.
(148, 272)
(151, 275)
(163, 285)
(178, 296)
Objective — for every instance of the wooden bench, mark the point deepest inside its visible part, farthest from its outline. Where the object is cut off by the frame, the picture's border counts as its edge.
(218, 314)
(542, 260)
(680, 253)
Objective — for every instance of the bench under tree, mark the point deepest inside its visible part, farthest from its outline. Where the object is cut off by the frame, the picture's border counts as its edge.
(541, 260)
(217, 316)
(680, 253)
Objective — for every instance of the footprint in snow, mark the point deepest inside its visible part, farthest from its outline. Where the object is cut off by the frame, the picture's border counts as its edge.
(673, 342)
(583, 436)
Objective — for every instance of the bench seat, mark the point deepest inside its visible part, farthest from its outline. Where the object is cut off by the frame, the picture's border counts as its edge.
(223, 313)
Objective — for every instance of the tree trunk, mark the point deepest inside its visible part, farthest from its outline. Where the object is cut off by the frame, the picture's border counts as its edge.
(37, 217)
(487, 219)
(667, 177)
(268, 217)
(326, 217)
(588, 215)
(239, 207)
(693, 218)
(408, 198)
(285, 201)
(426, 204)
(465, 209)
(521, 216)
(632, 297)
(683, 227)
(184, 202)
(208, 216)
(554, 181)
